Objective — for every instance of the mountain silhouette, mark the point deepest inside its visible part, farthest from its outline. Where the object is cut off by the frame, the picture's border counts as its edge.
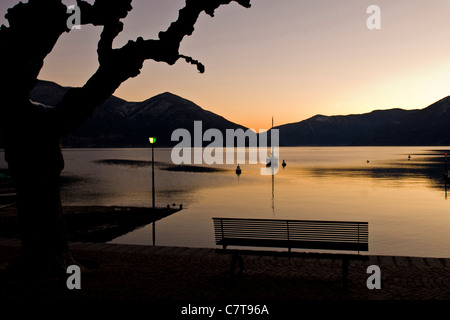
(425, 127)
(323, 130)
(392, 127)
(119, 123)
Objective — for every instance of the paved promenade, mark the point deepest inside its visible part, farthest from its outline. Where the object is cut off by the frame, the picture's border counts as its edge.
(133, 272)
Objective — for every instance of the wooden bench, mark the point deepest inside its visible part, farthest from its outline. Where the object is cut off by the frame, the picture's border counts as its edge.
(348, 236)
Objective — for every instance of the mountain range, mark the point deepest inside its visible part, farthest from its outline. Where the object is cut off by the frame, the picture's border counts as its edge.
(120, 123)
(392, 127)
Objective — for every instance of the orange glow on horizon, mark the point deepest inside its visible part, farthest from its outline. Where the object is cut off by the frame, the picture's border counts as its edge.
(289, 61)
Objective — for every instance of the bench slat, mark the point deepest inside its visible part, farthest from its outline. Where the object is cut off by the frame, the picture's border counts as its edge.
(350, 246)
(308, 234)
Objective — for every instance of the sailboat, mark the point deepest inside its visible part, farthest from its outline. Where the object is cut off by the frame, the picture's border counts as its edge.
(272, 161)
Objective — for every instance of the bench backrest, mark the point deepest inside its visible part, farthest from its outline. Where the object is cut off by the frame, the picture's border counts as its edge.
(312, 234)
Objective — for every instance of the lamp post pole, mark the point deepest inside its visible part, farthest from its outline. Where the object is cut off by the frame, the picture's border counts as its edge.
(153, 177)
(152, 142)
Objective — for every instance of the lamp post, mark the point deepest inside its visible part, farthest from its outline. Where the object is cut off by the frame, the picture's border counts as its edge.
(152, 142)
(446, 164)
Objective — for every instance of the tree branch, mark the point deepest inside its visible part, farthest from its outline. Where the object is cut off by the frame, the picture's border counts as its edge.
(115, 65)
(188, 16)
(166, 48)
(118, 65)
(103, 11)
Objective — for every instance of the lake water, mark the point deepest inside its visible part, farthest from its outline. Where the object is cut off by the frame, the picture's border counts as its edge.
(403, 200)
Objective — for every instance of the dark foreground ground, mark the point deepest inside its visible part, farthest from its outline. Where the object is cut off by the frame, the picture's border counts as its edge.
(176, 277)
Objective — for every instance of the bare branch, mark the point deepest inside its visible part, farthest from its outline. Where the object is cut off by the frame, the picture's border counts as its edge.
(109, 33)
(118, 65)
(188, 16)
(166, 49)
(200, 67)
(103, 12)
(115, 65)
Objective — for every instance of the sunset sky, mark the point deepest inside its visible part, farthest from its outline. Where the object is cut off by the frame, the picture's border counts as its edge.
(289, 59)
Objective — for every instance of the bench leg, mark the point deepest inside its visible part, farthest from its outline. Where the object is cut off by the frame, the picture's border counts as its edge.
(234, 259)
(345, 263)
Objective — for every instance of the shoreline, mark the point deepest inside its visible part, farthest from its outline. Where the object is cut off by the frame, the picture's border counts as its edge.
(93, 223)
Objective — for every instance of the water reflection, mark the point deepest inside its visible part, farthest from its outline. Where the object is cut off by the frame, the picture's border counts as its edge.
(273, 194)
(402, 198)
(428, 166)
(125, 179)
(154, 233)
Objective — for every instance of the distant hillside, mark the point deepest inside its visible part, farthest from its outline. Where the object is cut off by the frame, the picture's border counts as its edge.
(119, 123)
(425, 127)
(393, 127)
(337, 130)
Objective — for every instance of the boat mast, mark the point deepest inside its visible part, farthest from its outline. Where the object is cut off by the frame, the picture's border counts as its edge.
(271, 145)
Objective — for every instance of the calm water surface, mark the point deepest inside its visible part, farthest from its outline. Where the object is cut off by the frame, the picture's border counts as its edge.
(403, 200)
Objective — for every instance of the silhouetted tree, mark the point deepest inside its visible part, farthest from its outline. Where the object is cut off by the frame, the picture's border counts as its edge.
(32, 133)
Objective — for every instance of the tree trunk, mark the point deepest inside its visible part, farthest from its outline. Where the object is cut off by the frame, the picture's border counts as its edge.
(44, 243)
(33, 153)
(32, 134)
